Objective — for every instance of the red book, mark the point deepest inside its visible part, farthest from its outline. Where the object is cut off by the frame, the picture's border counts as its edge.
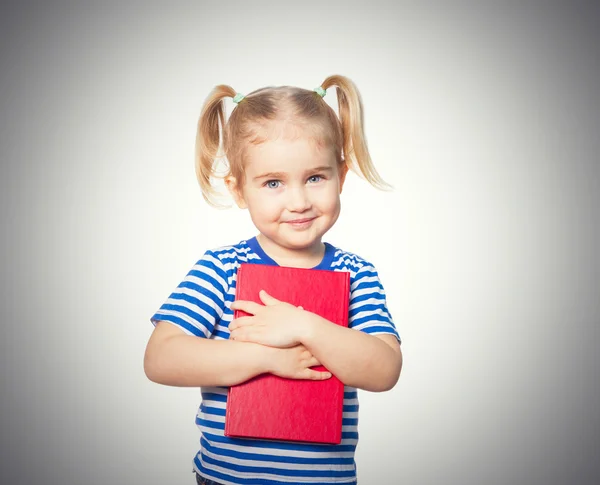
(275, 408)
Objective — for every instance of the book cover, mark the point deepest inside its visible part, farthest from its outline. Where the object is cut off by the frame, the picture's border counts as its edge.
(275, 408)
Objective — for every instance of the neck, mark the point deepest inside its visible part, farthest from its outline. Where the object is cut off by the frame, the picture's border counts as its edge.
(294, 258)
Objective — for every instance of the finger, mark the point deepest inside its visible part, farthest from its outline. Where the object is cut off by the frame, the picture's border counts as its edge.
(243, 335)
(250, 307)
(307, 357)
(314, 375)
(241, 322)
(267, 299)
(313, 362)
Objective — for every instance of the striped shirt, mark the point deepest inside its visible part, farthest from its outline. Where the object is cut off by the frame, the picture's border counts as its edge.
(200, 306)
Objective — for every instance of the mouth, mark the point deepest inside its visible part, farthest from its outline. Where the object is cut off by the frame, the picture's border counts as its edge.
(300, 221)
(303, 223)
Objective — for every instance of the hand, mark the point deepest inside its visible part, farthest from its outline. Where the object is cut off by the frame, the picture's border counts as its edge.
(295, 363)
(276, 324)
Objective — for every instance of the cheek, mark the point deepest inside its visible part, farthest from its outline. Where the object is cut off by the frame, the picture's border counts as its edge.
(337, 206)
(263, 207)
(330, 200)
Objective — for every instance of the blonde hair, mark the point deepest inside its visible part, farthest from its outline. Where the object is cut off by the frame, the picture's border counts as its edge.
(250, 119)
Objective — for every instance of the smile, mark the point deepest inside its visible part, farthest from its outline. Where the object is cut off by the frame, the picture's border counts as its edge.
(300, 222)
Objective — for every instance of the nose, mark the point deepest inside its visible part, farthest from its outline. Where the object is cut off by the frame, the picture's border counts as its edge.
(298, 200)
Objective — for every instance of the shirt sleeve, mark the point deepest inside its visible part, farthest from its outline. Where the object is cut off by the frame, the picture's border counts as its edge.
(197, 304)
(368, 308)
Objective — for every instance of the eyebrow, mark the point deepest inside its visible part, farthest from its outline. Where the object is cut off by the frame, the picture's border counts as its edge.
(278, 175)
(271, 175)
(324, 168)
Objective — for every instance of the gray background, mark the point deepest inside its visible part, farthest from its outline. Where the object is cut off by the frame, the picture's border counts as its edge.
(484, 118)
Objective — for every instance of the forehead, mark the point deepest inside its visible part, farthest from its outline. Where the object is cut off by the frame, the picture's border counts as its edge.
(287, 127)
(288, 147)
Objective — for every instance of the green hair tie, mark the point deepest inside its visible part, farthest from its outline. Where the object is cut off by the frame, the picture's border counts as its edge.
(238, 97)
(320, 91)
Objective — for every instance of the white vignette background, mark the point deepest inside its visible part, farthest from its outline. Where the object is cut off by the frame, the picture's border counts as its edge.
(483, 116)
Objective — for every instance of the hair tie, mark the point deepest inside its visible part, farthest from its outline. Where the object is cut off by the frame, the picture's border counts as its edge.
(238, 97)
(320, 91)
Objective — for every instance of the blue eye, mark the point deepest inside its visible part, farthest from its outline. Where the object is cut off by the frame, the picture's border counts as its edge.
(272, 184)
(315, 179)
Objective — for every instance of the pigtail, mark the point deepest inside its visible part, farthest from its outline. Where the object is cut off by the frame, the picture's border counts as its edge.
(356, 153)
(208, 139)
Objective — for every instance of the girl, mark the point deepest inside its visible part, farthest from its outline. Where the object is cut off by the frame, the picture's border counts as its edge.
(287, 157)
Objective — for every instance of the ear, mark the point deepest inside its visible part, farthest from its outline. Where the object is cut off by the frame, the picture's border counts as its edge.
(343, 171)
(235, 191)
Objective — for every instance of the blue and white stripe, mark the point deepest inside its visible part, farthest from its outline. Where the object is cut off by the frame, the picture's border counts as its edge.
(200, 306)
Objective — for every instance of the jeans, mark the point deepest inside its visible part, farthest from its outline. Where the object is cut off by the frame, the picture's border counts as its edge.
(205, 481)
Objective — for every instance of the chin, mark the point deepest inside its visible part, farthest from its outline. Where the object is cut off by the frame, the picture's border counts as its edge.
(301, 245)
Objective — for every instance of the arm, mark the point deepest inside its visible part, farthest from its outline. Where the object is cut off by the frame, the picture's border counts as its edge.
(368, 362)
(358, 359)
(176, 359)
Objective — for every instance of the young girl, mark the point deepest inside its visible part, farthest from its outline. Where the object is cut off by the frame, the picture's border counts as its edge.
(287, 157)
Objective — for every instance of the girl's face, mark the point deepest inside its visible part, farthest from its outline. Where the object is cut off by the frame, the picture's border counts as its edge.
(292, 190)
